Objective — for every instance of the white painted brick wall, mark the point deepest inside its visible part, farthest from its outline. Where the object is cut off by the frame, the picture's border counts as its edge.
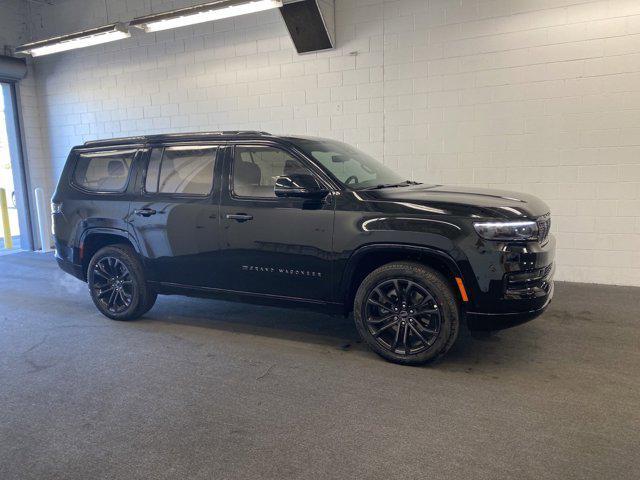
(529, 95)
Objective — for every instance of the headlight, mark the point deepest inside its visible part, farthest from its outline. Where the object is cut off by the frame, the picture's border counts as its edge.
(522, 230)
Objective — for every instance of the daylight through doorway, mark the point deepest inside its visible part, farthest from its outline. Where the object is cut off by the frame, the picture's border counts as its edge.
(9, 219)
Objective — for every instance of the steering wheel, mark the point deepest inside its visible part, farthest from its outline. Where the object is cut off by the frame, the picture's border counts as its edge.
(352, 177)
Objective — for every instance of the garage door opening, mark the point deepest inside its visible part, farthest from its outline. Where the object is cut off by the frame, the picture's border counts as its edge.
(9, 214)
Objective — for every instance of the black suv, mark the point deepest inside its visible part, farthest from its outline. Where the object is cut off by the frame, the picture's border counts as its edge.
(300, 222)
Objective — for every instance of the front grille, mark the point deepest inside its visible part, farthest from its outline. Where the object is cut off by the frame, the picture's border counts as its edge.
(544, 225)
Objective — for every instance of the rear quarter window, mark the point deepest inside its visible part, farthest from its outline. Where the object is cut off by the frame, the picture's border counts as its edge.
(103, 171)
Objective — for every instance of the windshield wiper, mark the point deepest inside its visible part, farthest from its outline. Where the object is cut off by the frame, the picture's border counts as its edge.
(406, 183)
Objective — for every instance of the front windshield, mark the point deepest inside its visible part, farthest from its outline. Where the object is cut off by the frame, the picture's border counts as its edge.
(353, 168)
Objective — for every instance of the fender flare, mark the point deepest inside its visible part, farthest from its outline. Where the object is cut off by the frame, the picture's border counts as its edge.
(107, 231)
(360, 252)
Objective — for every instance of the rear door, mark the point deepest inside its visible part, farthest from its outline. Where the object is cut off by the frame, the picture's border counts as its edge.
(175, 214)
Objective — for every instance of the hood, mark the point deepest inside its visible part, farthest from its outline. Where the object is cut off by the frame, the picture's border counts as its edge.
(461, 201)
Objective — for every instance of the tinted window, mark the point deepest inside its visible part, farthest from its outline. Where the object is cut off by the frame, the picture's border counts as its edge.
(153, 170)
(255, 170)
(181, 170)
(103, 171)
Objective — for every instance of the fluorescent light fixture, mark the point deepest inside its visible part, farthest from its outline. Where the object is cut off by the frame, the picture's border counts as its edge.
(86, 38)
(207, 12)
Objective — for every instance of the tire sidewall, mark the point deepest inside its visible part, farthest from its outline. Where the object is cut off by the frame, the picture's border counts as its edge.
(138, 292)
(435, 284)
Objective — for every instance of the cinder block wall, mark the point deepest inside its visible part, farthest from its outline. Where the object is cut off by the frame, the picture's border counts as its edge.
(541, 96)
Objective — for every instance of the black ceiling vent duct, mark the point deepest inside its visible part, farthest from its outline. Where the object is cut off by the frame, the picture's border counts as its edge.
(310, 24)
(12, 69)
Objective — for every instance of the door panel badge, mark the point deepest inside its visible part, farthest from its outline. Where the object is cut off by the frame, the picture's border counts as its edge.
(292, 272)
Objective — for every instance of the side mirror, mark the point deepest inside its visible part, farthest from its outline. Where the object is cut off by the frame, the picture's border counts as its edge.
(298, 185)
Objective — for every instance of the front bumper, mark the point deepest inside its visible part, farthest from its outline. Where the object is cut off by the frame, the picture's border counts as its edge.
(500, 321)
(515, 284)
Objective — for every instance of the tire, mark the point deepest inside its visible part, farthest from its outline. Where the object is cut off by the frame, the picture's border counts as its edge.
(117, 283)
(151, 301)
(431, 317)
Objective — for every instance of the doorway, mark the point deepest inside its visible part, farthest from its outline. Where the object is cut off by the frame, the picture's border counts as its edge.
(12, 212)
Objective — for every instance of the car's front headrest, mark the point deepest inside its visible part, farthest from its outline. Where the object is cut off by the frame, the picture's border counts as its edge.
(115, 168)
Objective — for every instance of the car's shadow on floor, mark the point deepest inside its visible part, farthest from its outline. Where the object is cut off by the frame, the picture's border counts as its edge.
(471, 348)
(299, 325)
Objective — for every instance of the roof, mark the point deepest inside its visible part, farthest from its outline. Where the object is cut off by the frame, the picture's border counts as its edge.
(175, 137)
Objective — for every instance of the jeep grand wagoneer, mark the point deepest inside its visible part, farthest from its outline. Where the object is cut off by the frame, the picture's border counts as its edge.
(300, 222)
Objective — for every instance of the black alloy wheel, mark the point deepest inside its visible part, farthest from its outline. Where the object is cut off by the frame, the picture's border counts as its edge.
(118, 285)
(113, 285)
(402, 316)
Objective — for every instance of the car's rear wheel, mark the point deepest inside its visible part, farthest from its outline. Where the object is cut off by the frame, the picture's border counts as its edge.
(118, 285)
(407, 313)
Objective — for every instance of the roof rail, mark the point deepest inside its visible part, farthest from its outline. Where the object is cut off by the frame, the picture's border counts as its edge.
(115, 141)
(243, 132)
(171, 136)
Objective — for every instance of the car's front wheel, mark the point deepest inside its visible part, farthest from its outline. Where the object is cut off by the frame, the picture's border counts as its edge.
(117, 283)
(407, 313)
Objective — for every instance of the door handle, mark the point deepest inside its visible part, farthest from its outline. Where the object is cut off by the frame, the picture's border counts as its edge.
(240, 217)
(145, 212)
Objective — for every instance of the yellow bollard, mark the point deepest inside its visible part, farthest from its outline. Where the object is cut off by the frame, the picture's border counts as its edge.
(4, 212)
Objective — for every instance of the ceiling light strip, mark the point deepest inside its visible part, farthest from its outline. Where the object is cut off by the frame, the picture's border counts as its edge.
(86, 38)
(207, 12)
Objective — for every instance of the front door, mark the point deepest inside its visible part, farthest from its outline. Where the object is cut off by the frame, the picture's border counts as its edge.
(273, 246)
(175, 215)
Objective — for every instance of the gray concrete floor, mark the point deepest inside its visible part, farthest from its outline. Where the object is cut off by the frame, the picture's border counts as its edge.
(201, 389)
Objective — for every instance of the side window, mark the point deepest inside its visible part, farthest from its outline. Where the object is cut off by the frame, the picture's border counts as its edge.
(153, 170)
(181, 170)
(103, 171)
(255, 170)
